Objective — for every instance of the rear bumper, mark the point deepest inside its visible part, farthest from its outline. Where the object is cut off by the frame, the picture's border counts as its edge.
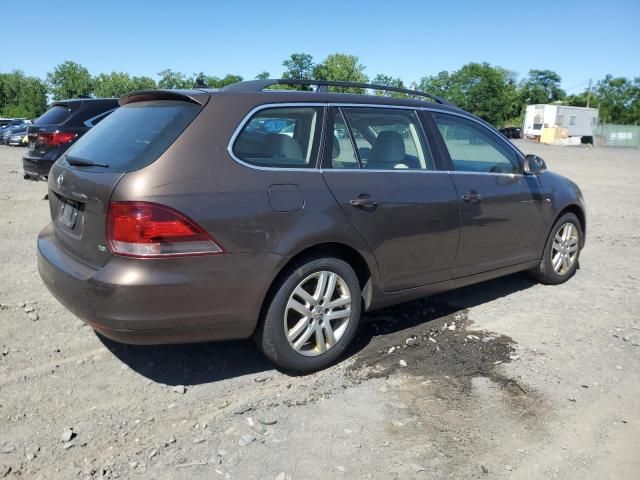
(36, 168)
(173, 300)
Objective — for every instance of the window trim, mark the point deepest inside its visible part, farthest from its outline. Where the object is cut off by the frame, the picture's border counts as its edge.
(503, 141)
(428, 130)
(425, 139)
(329, 150)
(313, 163)
(427, 127)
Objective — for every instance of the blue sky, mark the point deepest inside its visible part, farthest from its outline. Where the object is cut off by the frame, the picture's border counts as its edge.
(411, 39)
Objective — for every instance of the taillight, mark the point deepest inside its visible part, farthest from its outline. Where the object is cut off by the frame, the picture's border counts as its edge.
(143, 229)
(56, 138)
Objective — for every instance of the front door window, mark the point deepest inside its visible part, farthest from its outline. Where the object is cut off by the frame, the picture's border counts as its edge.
(473, 148)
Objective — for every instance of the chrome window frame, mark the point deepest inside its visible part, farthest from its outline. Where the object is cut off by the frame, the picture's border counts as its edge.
(326, 105)
(247, 118)
(423, 141)
(496, 134)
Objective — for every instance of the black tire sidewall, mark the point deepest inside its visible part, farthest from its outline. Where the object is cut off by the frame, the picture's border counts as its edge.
(546, 273)
(271, 336)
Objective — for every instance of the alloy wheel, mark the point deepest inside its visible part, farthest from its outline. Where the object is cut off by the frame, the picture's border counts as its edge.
(317, 313)
(564, 251)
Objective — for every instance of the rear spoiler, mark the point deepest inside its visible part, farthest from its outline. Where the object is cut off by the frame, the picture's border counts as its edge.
(194, 96)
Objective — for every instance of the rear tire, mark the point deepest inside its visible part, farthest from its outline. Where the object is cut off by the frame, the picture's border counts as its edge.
(561, 253)
(312, 316)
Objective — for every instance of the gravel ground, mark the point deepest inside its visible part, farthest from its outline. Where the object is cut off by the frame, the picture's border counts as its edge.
(506, 379)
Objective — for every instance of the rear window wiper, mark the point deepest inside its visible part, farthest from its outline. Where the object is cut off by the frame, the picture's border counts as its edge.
(81, 162)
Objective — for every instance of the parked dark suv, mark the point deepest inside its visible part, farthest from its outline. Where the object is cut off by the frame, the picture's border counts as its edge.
(511, 132)
(53, 132)
(179, 218)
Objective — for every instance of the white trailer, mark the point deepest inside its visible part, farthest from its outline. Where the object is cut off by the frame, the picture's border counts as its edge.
(580, 121)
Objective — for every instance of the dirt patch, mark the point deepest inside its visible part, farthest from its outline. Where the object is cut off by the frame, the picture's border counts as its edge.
(438, 342)
(447, 379)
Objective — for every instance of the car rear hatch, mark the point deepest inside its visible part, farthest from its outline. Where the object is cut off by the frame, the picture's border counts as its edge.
(82, 181)
(48, 133)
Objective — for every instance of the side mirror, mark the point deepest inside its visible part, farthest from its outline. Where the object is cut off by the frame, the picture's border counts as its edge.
(533, 164)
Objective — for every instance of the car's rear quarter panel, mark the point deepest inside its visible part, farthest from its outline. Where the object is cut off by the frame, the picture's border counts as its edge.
(198, 177)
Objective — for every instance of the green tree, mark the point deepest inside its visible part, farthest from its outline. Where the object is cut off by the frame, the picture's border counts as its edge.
(299, 66)
(489, 92)
(22, 96)
(577, 100)
(170, 79)
(142, 83)
(343, 68)
(116, 84)
(541, 86)
(203, 81)
(112, 84)
(618, 99)
(32, 101)
(211, 81)
(69, 80)
(229, 79)
(486, 91)
(264, 75)
(389, 81)
(439, 85)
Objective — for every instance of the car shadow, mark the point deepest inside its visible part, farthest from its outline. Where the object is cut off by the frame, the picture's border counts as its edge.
(194, 364)
(429, 309)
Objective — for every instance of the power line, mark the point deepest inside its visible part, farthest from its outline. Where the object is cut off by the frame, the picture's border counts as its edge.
(578, 85)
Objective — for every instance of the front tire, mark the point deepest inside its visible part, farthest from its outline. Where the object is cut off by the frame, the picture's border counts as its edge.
(561, 253)
(312, 316)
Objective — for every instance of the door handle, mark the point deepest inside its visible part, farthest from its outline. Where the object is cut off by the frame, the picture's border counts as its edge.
(472, 197)
(364, 201)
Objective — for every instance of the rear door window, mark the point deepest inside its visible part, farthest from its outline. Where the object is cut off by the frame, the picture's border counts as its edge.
(135, 135)
(281, 137)
(388, 139)
(342, 152)
(54, 116)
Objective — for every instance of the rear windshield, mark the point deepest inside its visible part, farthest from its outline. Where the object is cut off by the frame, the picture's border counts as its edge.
(134, 135)
(56, 114)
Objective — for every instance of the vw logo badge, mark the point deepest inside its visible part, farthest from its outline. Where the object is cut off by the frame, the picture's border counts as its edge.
(60, 180)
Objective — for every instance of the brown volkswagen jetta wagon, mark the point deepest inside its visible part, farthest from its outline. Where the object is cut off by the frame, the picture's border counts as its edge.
(197, 215)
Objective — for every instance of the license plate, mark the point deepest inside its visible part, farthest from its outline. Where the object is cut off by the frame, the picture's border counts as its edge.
(69, 214)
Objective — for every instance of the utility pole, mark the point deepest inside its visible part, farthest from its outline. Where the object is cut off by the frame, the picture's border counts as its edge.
(589, 94)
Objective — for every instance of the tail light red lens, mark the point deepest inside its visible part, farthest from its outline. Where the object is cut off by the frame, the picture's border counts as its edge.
(56, 138)
(143, 229)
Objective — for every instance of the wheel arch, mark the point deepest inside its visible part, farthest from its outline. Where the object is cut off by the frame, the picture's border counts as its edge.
(345, 252)
(578, 212)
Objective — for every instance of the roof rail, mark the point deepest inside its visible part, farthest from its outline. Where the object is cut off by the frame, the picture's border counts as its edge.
(323, 86)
